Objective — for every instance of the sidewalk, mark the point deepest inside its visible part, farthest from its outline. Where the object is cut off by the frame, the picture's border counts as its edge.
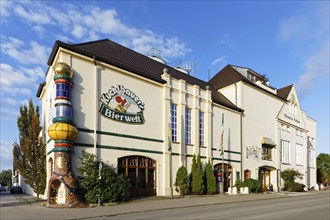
(159, 202)
(38, 210)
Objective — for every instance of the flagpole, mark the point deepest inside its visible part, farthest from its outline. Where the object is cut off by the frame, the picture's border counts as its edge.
(170, 147)
(222, 152)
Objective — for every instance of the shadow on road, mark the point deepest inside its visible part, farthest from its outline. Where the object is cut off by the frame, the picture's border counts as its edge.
(7, 199)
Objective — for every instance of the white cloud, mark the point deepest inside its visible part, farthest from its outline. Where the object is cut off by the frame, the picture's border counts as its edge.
(40, 30)
(88, 23)
(317, 67)
(36, 54)
(6, 156)
(219, 61)
(20, 81)
(307, 33)
(4, 8)
(9, 101)
(306, 24)
(25, 102)
(226, 41)
(9, 112)
(10, 42)
(78, 31)
(33, 15)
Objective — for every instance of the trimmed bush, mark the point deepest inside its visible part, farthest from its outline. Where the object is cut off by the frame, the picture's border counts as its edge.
(211, 186)
(295, 187)
(197, 184)
(181, 181)
(253, 184)
(239, 184)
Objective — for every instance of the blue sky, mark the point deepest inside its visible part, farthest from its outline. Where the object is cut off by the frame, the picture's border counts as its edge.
(286, 40)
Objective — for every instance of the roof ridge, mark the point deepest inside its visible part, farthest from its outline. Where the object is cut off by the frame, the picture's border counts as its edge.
(90, 42)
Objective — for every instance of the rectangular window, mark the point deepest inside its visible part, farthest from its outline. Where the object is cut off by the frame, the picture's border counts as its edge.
(201, 129)
(188, 126)
(266, 153)
(285, 151)
(311, 157)
(299, 154)
(290, 107)
(174, 122)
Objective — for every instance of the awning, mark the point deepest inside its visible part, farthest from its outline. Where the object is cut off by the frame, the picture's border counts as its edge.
(270, 168)
(268, 141)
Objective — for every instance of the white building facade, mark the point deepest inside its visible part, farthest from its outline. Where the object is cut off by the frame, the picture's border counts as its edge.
(275, 131)
(148, 119)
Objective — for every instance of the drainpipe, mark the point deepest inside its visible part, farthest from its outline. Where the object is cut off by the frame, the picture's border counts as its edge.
(95, 107)
(241, 125)
(235, 94)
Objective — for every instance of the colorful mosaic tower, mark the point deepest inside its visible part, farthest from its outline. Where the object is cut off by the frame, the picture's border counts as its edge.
(63, 188)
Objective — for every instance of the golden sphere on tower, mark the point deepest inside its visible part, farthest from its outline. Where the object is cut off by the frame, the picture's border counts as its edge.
(62, 131)
(63, 68)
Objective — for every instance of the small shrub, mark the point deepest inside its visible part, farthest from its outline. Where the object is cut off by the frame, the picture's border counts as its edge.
(253, 184)
(239, 184)
(181, 181)
(111, 187)
(197, 183)
(289, 176)
(211, 186)
(294, 187)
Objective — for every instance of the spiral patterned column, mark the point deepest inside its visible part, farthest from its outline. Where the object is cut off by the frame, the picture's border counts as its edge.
(63, 189)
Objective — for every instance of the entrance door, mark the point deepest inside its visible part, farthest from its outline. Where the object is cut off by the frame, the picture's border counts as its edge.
(141, 172)
(227, 179)
(264, 177)
(53, 192)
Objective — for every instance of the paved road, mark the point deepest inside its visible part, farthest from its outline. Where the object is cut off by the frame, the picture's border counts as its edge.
(6, 198)
(307, 205)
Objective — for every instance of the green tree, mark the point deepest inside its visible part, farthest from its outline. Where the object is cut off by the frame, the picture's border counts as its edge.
(29, 152)
(111, 187)
(211, 186)
(289, 176)
(181, 181)
(6, 178)
(323, 168)
(197, 183)
(193, 171)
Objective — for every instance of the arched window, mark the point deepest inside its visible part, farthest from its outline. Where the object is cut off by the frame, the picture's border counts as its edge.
(141, 172)
(50, 167)
(227, 172)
